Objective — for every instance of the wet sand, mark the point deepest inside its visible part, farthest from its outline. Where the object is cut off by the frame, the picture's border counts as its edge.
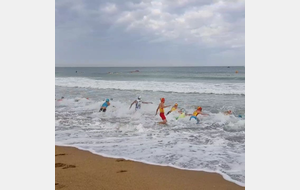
(81, 170)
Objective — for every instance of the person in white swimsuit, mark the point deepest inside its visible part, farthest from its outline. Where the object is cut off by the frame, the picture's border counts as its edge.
(138, 103)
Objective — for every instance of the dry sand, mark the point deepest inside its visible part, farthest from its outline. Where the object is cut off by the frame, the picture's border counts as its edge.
(76, 169)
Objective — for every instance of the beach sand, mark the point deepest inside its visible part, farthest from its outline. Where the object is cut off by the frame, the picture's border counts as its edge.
(76, 169)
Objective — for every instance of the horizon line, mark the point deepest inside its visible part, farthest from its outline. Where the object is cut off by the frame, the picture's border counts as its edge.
(148, 66)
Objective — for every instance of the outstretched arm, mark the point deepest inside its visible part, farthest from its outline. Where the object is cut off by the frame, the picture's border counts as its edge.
(147, 102)
(132, 103)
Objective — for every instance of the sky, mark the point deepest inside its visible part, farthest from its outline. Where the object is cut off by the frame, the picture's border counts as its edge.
(149, 33)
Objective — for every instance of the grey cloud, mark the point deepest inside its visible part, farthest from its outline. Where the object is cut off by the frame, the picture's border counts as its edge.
(102, 33)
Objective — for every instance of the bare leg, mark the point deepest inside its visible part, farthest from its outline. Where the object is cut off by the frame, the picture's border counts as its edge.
(163, 122)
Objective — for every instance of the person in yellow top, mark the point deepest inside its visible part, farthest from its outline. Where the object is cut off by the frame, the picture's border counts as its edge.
(196, 113)
(183, 113)
(175, 107)
(161, 107)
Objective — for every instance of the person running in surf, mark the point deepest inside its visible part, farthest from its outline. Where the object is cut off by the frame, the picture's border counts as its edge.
(175, 107)
(196, 113)
(104, 106)
(182, 112)
(161, 107)
(138, 103)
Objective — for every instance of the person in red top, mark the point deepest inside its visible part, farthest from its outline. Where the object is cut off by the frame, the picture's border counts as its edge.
(161, 107)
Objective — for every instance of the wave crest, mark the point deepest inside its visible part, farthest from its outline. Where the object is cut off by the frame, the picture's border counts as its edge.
(178, 87)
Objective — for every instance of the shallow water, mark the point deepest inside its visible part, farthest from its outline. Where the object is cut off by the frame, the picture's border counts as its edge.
(216, 144)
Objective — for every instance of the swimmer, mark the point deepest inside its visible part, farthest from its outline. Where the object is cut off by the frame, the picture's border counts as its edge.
(138, 103)
(104, 106)
(161, 107)
(196, 113)
(175, 107)
(229, 112)
(60, 99)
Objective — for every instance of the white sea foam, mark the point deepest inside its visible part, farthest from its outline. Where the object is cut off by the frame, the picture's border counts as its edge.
(216, 145)
(179, 87)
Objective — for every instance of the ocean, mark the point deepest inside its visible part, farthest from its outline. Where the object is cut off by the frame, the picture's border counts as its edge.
(217, 144)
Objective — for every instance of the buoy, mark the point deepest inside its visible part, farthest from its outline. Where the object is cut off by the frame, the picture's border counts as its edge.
(236, 71)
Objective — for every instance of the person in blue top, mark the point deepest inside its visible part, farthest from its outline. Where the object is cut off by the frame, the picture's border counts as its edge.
(104, 106)
(138, 103)
(196, 113)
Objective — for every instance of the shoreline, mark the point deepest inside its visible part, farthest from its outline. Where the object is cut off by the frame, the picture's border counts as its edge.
(81, 169)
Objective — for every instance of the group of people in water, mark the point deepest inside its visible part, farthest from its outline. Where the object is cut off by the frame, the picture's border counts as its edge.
(161, 108)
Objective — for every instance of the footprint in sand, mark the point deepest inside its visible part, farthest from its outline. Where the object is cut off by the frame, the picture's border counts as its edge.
(60, 154)
(65, 166)
(69, 166)
(59, 165)
(58, 186)
(121, 171)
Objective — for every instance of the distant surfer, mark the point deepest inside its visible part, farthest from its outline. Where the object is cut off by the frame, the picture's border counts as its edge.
(196, 113)
(104, 106)
(175, 107)
(138, 103)
(161, 107)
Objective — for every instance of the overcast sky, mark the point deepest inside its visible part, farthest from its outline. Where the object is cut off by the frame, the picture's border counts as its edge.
(149, 32)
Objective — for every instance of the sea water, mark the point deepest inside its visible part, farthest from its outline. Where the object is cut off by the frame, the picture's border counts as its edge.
(217, 144)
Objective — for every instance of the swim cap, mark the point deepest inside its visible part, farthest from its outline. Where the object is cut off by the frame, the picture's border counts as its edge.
(139, 97)
(162, 99)
(199, 108)
(107, 100)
